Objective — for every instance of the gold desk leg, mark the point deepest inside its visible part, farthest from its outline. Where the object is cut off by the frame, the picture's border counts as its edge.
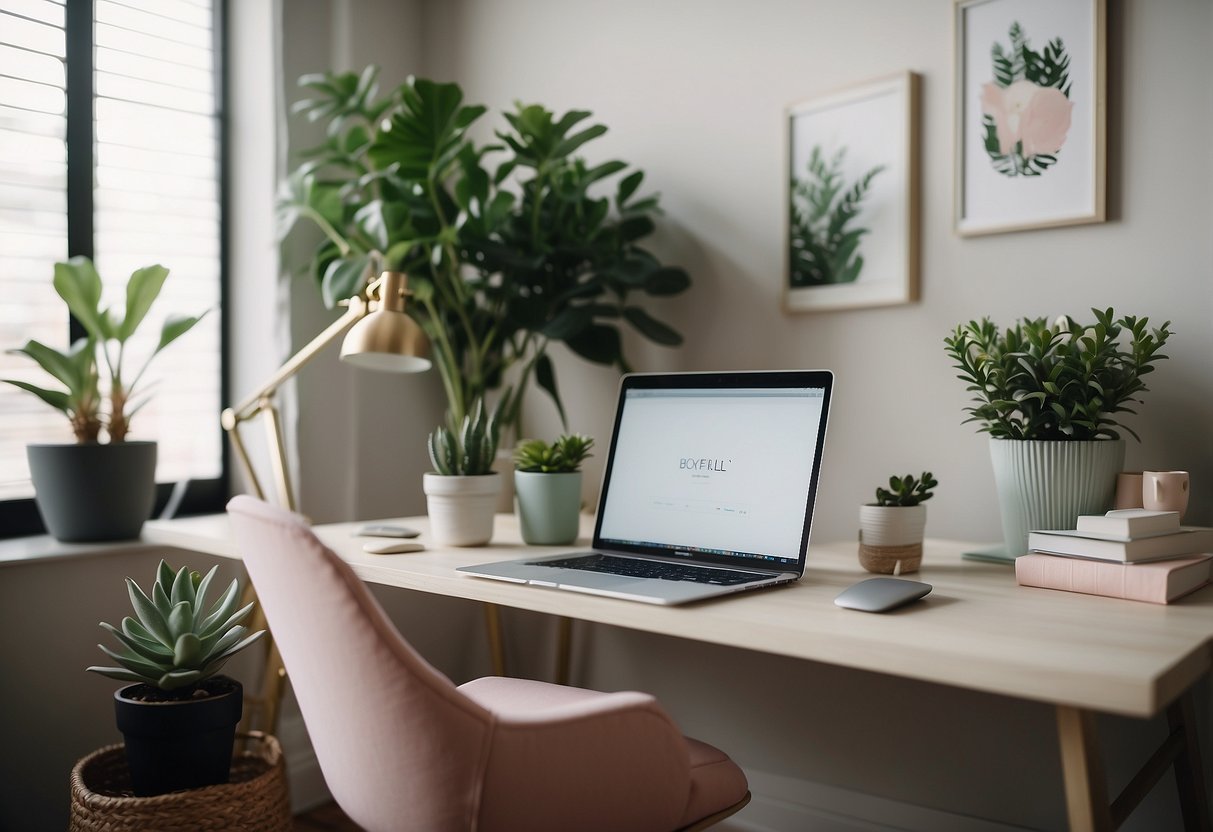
(492, 624)
(564, 648)
(1189, 772)
(1083, 772)
(261, 712)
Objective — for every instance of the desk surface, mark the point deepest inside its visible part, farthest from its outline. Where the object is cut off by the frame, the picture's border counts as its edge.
(977, 629)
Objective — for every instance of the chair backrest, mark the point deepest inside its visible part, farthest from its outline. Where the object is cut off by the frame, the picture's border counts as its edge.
(400, 746)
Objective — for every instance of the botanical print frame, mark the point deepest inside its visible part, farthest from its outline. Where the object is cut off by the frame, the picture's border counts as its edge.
(851, 204)
(1031, 114)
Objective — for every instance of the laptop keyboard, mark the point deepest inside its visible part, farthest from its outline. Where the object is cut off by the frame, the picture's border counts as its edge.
(632, 568)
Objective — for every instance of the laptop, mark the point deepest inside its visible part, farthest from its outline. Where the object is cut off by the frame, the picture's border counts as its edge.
(708, 489)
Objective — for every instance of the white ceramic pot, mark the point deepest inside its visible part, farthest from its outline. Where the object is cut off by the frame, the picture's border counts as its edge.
(461, 509)
(1047, 485)
(892, 525)
(549, 506)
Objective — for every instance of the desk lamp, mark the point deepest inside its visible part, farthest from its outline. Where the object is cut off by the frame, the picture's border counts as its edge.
(381, 337)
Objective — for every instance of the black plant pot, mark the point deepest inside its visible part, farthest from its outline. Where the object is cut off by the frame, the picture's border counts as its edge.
(183, 744)
(94, 492)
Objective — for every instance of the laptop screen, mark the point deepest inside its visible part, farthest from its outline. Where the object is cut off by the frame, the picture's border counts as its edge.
(715, 467)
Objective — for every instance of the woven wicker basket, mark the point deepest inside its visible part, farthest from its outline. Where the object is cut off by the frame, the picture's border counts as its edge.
(255, 800)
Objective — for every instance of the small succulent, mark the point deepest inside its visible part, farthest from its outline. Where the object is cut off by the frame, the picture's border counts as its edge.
(563, 456)
(177, 642)
(907, 490)
(467, 450)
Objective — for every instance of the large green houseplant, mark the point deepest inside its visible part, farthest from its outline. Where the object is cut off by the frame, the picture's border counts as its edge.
(90, 490)
(1050, 395)
(179, 717)
(508, 246)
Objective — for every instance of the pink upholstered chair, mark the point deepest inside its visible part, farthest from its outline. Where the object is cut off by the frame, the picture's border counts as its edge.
(402, 748)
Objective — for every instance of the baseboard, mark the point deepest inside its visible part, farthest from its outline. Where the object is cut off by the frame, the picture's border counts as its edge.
(784, 804)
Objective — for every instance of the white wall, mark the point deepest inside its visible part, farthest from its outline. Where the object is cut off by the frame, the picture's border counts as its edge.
(694, 94)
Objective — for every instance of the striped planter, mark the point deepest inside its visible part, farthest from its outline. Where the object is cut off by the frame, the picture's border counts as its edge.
(1047, 485)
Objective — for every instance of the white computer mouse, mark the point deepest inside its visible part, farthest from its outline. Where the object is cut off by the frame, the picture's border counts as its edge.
(881, 594)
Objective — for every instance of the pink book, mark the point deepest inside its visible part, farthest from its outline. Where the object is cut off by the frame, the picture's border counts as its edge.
(1157, 582)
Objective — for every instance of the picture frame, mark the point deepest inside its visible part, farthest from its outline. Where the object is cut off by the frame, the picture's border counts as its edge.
(1030, 114)
(852, 194)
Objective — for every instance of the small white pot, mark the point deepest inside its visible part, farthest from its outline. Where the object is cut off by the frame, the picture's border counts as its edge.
(892, 525)
(461, 509)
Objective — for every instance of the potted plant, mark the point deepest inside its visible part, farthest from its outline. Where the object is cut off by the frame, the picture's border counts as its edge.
(547, 483)
(891, 529)
(1050, 395)
(179, 719)
(461, 491)
(503, 258)
(90, 490)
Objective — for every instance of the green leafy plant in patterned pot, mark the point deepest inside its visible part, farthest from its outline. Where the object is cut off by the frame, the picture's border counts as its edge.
(179, 718)
(1051, 395)
(547, 486)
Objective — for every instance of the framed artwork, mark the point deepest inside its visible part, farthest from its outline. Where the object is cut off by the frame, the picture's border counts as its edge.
(1031, 116)
(852, 199)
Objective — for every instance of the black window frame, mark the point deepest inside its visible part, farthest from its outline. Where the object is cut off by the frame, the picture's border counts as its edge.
(20, 517)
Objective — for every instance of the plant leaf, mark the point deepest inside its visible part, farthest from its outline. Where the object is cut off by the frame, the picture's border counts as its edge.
(141, 292)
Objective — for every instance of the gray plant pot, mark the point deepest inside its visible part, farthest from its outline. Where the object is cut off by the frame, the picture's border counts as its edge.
(549, 506)
(1047, 485)
(93, 492)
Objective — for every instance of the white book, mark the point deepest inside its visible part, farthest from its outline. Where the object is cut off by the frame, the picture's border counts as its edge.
(1130, 523)
(1189, 540)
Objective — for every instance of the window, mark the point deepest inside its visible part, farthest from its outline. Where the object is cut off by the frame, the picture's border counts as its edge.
(110, 147)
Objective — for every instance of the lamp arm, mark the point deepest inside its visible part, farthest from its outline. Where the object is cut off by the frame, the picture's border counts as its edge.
(251, 406)
(261, 401)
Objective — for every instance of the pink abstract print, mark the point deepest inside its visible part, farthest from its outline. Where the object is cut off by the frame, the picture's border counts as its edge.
(1026, 108)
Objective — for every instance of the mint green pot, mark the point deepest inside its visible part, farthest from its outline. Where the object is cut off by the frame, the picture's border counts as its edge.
(549, 507)
(1047, 485)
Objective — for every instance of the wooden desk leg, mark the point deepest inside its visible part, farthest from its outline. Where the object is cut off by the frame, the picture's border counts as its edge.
(1189, 773)
(1083, 772)
(564, 648)
(492, 624)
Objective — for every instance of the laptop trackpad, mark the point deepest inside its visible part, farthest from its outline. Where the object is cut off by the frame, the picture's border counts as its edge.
(589, 580)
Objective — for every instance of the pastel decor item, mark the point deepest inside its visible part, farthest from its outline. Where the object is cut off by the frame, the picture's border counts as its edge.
(1047, 484)
(461, 509)
(1165, 491)
(549, 506)
(890, 538)
(1128, 490)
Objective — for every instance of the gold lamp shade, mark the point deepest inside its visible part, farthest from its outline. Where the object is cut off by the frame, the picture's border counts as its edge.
(388, 339)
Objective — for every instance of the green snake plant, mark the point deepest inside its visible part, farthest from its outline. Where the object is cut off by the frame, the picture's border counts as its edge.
(467, 450)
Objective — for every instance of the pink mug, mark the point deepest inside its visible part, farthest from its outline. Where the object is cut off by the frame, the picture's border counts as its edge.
(1165, 491)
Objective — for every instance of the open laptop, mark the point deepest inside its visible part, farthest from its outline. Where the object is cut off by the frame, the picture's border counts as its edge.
(708, 489)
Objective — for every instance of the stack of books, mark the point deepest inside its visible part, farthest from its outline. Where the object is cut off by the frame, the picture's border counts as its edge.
(1134, 554)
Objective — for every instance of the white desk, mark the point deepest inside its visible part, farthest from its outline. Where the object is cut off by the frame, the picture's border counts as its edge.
(977, 630)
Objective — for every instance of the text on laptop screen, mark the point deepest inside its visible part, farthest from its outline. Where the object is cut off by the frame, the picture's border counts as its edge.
(723, 472)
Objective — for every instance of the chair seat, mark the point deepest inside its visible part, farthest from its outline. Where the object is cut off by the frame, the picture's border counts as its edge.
(716, 781)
